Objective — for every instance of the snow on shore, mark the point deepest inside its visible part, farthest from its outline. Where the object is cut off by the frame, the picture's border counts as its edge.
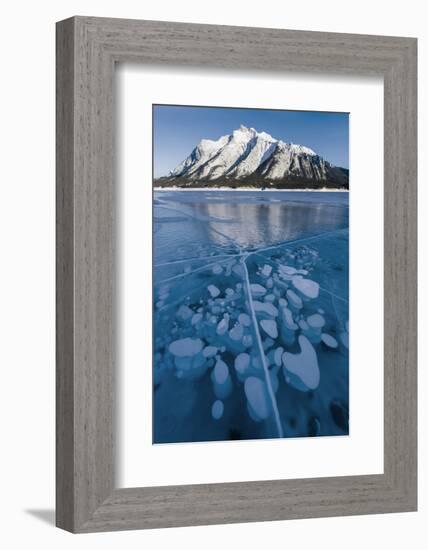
(322, 190)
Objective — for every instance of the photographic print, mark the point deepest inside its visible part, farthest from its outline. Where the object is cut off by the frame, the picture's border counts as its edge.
(250, 274)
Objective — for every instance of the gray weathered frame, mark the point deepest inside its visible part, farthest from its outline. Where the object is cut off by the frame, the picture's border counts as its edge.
(87, 50)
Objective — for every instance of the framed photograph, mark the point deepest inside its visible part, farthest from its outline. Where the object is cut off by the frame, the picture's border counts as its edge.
(251, 263)
(236, 274)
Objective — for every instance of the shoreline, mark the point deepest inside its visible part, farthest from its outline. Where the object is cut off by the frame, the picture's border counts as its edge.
(323, 190)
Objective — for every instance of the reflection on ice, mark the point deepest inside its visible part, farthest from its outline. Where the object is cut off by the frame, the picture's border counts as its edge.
(250, 315)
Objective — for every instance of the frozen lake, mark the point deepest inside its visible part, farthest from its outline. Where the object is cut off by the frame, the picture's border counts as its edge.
(250, 315)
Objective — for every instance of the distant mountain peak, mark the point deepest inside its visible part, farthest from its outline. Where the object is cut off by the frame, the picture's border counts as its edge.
(259, 159)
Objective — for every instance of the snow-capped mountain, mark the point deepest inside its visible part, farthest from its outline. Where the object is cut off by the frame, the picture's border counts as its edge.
(248, 157)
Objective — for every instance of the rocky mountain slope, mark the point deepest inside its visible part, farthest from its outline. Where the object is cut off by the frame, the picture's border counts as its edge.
(248, 158)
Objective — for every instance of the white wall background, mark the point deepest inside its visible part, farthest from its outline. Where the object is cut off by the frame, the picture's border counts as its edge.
(27, 272)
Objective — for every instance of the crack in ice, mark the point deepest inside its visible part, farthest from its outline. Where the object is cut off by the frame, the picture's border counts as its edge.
(229, 239)
(262, 354)
(194, 259)
(197, 270)
(296, 241)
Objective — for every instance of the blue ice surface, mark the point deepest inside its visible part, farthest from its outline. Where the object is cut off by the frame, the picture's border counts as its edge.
(250, 315)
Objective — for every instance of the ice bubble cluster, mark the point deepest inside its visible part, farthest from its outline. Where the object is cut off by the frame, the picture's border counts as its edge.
(266, 270)
(209, 351)
(269, 326)
(249, 320)
(287, 272)
(223, 326)
(288, 326)
(186, 347)
(329, 341)
(307, 288)
(244, 319)
(213, 290)
(184, 312)
(257, 398)
(242, 364)
(217, 409)
(265, 308)
(302, 368)
(312, 327)
(278, 356)
(237, 332)
(197, 318)
(316, 321)
(294, 300)
(257, 290)
(222, 383)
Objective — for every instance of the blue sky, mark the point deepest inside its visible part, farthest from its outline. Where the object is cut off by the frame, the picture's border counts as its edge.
(178, 129)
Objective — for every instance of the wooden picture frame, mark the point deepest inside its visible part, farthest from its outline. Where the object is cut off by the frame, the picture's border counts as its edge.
(87, 50)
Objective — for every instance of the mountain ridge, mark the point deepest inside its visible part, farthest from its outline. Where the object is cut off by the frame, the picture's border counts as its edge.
(250, 158)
